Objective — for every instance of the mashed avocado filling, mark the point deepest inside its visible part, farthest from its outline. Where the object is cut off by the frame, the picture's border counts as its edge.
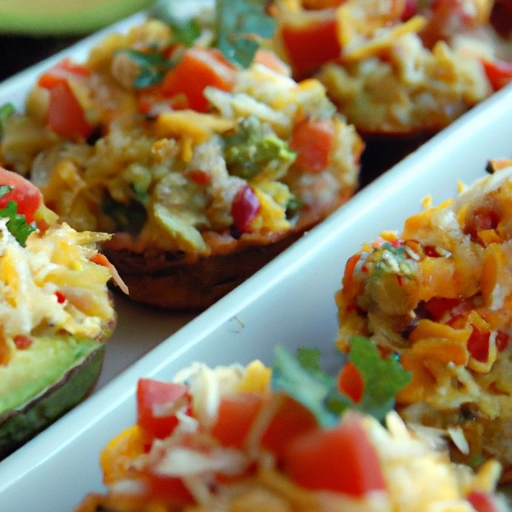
(250, 152)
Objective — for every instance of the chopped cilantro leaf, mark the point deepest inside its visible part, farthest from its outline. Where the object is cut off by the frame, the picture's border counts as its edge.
(383, 378)
(290, 377)
(184, 30)
(239, 49)
(152, 65)
(239, 27)
(303, 379)
(309, 359)
(17, 223)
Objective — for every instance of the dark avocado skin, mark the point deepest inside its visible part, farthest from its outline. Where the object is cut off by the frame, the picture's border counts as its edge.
(23, 423)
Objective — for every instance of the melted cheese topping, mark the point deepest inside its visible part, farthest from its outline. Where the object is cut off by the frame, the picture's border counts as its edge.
(418, 474)
(51, 286)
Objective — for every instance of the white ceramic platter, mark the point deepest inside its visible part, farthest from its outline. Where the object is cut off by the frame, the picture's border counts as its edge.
(290, 301)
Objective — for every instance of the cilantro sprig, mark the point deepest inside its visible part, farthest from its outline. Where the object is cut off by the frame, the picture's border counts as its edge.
(239, 27)
(304, 380)
(17, 223)
(152, 66)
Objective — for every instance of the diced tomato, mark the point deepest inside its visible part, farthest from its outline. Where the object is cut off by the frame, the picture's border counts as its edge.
(311, 42)
(24, 193)
(410, 9)
(61, 298)
(313, 140)
(290, 421)
(351, 382)
(431, 251)
(154, 406)
(482, 501)
(244, 208)
(236, 415)
(22, 342)
(167, 488)
(66, 116)
(341, 459)
(478, 344)
(198, 69)
(499, 72)
(62, 72)
(321, 4)
(437, 307)
(200, 177)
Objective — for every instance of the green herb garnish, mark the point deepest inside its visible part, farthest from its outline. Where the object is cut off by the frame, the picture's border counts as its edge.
(17, 223)
(153, 67)
(185, 31)
(239, 28)
(303, 379)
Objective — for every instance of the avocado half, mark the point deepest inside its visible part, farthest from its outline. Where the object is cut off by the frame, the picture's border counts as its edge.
(42, 382)
(64, 17)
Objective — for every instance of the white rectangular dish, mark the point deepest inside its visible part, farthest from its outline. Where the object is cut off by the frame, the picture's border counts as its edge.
(290, 301)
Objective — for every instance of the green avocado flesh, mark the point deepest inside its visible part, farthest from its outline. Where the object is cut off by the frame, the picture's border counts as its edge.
(42, 382)
(62, 17)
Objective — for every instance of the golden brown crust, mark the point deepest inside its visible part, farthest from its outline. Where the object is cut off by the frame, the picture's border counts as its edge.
(168, 280)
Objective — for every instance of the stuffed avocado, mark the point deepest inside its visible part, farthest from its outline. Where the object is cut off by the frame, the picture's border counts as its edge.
(55, 313)
(282, 439)
(395, 67)
(438, 296)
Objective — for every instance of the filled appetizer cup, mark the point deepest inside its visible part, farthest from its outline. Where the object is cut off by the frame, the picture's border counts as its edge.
(437, 296)
(201, 168)
(56, 312)
(282, 439)
(398, 67)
